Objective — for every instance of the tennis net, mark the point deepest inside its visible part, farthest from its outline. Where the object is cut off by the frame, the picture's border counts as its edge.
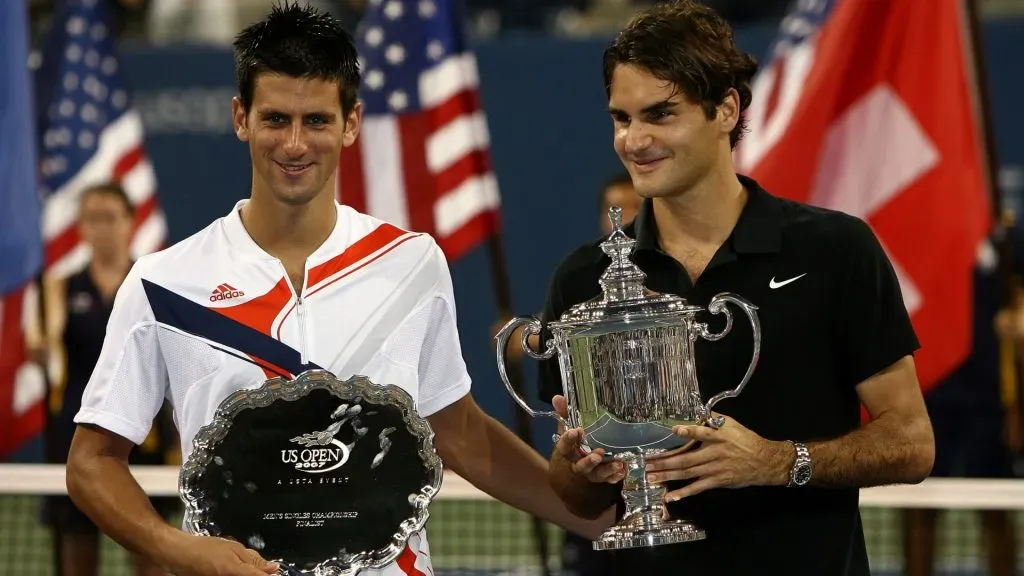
(473, 535)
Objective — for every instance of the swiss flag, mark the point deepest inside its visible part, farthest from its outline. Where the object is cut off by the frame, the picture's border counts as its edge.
(870, 108)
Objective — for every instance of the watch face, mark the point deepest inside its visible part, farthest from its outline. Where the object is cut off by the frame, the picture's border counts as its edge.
(802, 475)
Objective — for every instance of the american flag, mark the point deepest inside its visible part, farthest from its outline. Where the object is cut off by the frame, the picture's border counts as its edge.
(800, 25)
(422, 160)
(88, 133)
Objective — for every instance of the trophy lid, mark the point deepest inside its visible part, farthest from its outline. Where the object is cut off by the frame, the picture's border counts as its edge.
(624, 297)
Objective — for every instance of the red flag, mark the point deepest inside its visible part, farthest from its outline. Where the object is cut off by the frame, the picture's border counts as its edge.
(870, 108)
(21, 411)
(422, 160)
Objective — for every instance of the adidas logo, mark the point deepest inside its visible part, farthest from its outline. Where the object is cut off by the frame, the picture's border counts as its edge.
(225, 292)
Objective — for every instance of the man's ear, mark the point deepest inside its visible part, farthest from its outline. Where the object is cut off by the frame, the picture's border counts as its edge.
(729, 111)
(353, 123)
(239, 119)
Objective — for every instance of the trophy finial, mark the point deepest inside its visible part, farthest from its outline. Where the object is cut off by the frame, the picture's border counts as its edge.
(615, 215)
(623, 279)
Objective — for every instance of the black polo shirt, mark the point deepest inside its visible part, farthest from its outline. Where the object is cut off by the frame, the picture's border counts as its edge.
(831, 315)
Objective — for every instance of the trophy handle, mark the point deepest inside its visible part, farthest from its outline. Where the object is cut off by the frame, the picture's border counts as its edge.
(717, 306)
(532, 326)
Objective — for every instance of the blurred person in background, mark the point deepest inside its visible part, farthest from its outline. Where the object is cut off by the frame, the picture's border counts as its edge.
(977, 427)
(970, 426)
(77, 309)
(618, 191)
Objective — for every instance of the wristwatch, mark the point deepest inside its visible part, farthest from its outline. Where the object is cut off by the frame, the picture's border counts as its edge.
(801, 472)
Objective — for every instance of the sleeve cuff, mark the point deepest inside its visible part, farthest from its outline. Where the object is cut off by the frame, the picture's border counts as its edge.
(882, 361)
(113, 423)
(428, 406)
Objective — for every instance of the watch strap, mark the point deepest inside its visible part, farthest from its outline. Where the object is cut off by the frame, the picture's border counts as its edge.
(802, 461)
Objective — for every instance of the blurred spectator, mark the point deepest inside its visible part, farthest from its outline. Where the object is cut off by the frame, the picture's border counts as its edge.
(973, 438)
(618, 191)
(77, 309)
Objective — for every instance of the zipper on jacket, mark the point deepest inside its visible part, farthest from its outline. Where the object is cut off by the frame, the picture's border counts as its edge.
(302, 330)
(300, 313)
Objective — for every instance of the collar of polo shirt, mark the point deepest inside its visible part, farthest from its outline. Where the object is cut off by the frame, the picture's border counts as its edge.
(758, 230)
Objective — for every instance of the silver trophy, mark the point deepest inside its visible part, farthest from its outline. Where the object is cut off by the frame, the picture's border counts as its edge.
(327, 477)
(629, 376)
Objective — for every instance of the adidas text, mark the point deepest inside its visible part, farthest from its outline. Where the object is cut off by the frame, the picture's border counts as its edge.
(227, 295)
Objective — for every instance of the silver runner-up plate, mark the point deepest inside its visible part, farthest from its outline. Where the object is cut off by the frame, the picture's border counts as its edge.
(322, 476)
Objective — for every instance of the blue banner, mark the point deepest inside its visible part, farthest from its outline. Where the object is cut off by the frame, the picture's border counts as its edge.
(21, 244)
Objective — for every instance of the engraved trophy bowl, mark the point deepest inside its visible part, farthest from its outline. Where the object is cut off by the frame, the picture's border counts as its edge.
(326, 477)
(629, 376)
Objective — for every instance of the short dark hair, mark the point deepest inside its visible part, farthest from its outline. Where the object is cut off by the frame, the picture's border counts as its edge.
(690, 45)
(619, 179)
(297, 41)
(113, 189)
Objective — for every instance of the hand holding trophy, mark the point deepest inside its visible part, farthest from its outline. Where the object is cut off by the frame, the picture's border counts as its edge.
(629, 376)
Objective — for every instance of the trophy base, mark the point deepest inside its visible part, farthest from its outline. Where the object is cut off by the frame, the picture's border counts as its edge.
(646, 522)
(642, 533)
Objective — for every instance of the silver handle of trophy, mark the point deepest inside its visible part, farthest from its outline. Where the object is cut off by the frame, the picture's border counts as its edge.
(718, 306)
(531, 325)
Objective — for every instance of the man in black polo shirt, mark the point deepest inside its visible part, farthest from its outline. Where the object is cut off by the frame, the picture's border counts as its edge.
(835, 330)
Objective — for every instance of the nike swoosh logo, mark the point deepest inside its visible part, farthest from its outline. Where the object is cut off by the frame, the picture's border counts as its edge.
(773, 284)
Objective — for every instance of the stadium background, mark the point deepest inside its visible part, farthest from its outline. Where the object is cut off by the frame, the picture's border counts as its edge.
(551, 150)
